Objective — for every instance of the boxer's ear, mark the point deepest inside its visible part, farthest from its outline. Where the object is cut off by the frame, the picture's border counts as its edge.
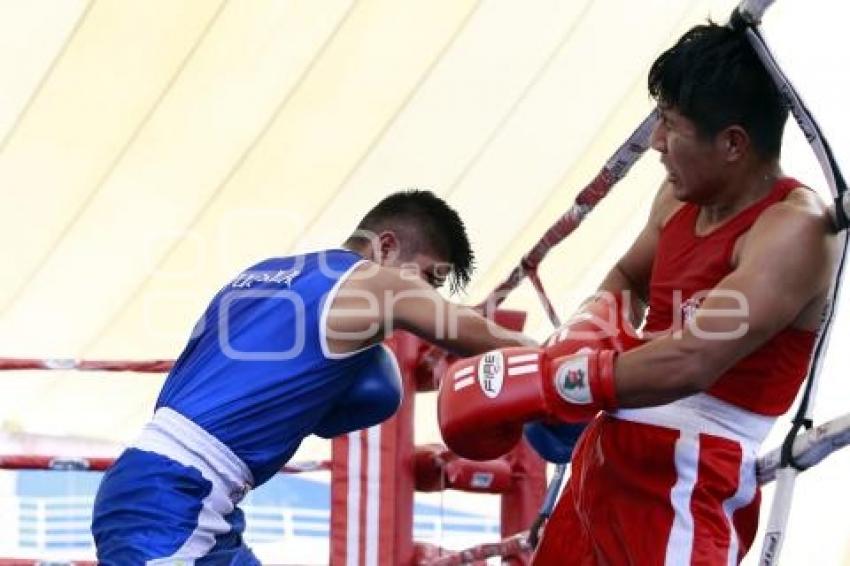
(734, 143)
(389, 248)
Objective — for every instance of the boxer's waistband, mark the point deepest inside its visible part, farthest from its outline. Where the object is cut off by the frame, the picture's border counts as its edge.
(172, 435)
(704, 414)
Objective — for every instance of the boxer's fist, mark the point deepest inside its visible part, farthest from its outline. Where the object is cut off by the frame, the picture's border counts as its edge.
(554, 442)
(485, 400)
(601, 323)
(373, 396)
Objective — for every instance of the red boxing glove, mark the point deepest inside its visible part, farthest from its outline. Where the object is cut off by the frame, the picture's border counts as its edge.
(431, 367)
(485, 400)
(581, 385)
(438, 468)
(601, 323)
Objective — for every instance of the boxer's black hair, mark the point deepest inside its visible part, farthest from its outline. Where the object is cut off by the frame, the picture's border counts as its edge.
(713, 77)
(438, 228)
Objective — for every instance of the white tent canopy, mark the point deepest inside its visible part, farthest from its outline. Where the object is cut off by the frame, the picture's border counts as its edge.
(150, 150)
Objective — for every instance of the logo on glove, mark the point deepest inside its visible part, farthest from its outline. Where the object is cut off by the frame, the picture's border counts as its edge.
(571, 381)
(491, 373)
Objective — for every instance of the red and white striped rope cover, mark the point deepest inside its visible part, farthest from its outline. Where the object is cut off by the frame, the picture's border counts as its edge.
(141, 366)
(28, 462)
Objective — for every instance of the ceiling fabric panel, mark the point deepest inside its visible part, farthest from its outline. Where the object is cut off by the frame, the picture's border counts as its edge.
(85, 113)
(33, 36)
(456, 112)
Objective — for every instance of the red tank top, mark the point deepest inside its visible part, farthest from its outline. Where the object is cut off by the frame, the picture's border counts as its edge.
(767, 380)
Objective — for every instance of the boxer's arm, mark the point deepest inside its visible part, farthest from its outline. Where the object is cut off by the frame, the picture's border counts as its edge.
(784, 265)
(377, 300)
(418, 308)
(632, 272)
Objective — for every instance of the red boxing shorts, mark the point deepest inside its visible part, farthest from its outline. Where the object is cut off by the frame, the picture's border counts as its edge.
(669, 485)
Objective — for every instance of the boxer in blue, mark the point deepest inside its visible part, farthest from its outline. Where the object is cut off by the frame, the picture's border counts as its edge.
(290, 347)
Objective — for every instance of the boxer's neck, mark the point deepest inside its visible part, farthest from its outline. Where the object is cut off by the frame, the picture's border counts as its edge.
(739, 193)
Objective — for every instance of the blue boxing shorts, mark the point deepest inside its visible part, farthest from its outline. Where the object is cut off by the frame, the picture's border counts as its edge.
(170, 499)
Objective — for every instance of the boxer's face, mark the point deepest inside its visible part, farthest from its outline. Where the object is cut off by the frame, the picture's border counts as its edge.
(433, 270)
(693, 163)
(415, 258)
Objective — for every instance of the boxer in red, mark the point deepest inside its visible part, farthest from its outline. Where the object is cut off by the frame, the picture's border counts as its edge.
(735, 266)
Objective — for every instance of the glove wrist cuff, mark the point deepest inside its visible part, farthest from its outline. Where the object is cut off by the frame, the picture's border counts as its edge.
(605, 390)
(585, 382)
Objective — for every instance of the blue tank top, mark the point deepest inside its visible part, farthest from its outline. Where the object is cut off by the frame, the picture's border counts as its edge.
(256, 373)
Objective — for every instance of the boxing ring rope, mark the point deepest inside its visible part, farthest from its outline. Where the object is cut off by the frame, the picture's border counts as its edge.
(789, 466)
(614, 169)
(146, 366)
(29, 562)
(98, 464)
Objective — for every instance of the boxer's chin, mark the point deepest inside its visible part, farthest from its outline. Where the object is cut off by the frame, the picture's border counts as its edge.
(676, 186)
